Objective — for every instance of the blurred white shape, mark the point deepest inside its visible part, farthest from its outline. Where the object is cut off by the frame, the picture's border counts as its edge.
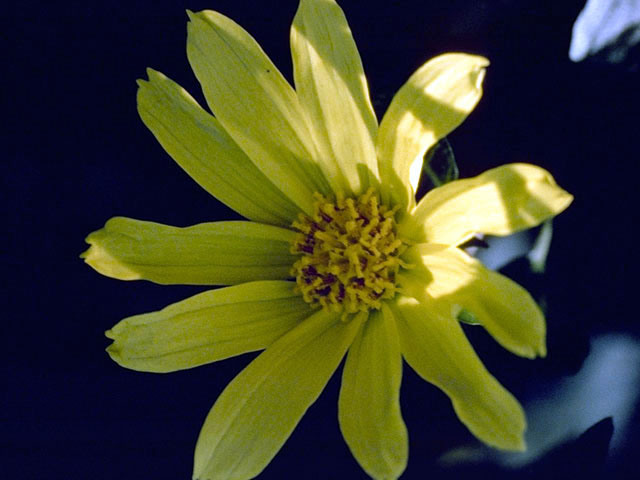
(606, 24)
(608, 385)
(503, 250)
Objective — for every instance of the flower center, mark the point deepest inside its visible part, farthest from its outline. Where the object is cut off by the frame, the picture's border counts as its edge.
(350, 254)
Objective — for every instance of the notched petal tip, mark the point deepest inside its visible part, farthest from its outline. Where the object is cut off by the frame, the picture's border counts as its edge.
(153, 77)
(115, 353)
(191, 14)
(462, 56)
(474, 65)
(542, 350)
(98, 257)
(154, 74)
(192, 24)
(525, 352)
(147, 85)
(206, 16)
(479, 75)
(112, 350)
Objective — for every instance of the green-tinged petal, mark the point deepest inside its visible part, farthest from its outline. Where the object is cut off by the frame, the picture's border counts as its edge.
(259, 409)
(369, 405)
(332, 88)
(199, 144)
(433, 102)
(221, 253)
(207, 327)
(255, 104)
(435, 346)
(501, 201)
(503, 307)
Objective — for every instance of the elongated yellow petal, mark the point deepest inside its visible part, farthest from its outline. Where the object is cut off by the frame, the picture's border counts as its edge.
(199, 144)
(221, 253)
(501, 201)
(255, 104)
(503, 307)
(259, 409)
(332, 88)
(437, 349)
(433, 102)
(207, 327)
(369, 405)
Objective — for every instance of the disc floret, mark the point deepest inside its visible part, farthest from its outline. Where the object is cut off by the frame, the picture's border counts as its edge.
(349, 253)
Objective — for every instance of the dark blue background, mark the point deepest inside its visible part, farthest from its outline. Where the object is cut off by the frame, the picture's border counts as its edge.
(76, 154)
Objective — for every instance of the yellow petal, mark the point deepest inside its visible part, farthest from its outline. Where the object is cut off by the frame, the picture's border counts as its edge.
(501, 201)
(503, 307)
(199, 144)
(207, 327)
(221, 253)
(255, 104)
(433, 102)
(259, 409)
(437, 349)
(369, 405)
(333, 90)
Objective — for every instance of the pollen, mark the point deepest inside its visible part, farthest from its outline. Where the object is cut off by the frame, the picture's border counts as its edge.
(349, 254)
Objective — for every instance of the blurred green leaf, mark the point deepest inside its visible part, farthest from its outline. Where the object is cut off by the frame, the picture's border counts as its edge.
(439, 167)
(465, 316)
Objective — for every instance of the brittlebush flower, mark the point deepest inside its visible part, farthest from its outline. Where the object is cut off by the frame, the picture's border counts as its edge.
(336, 257)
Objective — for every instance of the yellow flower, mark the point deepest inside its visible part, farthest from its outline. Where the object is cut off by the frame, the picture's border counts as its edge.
(336, 256)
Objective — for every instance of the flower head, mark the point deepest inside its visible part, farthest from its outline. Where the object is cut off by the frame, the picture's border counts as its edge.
(336, 258)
